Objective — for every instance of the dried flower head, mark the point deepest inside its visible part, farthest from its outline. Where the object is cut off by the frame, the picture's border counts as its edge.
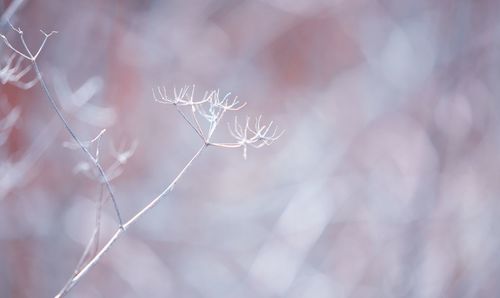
(212, 107)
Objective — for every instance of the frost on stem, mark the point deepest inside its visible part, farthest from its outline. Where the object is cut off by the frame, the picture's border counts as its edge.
(212, 107)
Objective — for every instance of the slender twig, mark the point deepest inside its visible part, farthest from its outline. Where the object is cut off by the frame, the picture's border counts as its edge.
(33, 59)
(197, 128)
(84, 270)
(217, 107)
(103, 175)
(98, 214)
(94, 241)
(213, 114)
(40, 144)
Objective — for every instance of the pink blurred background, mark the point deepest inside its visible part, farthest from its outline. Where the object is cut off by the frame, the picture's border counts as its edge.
(385, 184)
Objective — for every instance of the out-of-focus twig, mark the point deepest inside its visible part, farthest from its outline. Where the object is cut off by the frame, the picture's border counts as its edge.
(12, 73)
(10, 11)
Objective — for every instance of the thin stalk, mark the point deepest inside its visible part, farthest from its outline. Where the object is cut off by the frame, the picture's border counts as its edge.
(165, 191)
(198, 131)
(85, 269)
(53, 104)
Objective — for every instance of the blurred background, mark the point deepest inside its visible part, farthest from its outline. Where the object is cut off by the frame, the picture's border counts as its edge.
(385, 183)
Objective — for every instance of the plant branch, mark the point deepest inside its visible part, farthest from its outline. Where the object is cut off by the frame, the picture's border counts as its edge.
(33, 59)
(197, 128)
(85, 269)
(103, 175)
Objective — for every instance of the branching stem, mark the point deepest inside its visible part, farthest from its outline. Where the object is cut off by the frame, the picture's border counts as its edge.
(103, 175)
(33, 59)
(85, 269)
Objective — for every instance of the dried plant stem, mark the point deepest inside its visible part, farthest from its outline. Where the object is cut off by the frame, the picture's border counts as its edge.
(85, 269)
(94, 239)
(28, 54)
(168, 189)
(103, 175)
